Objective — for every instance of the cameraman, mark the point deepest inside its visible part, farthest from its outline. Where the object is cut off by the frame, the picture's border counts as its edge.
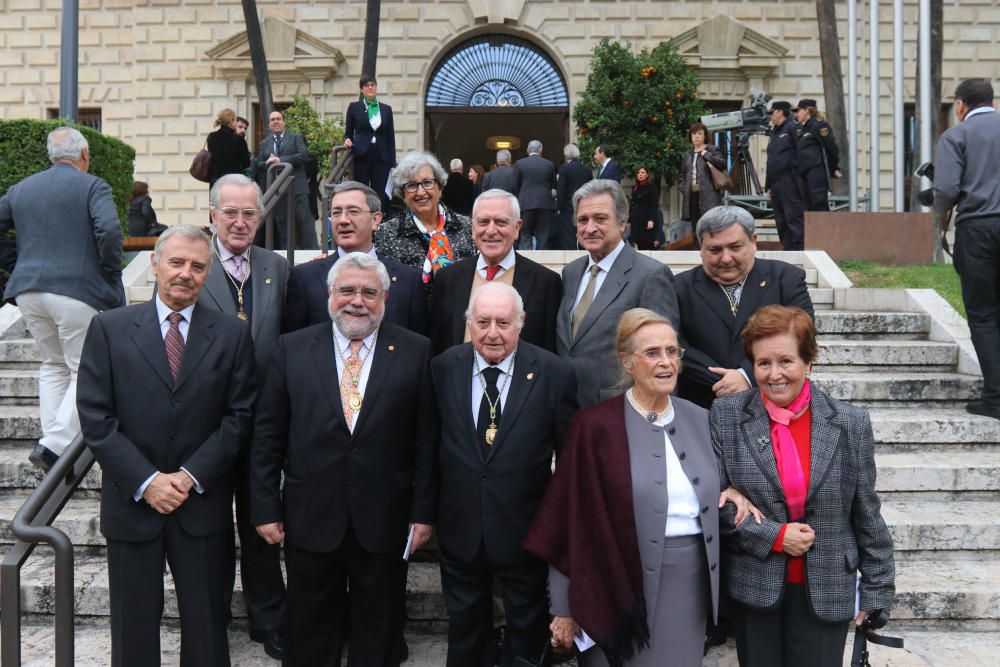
(781, 182)
(818, 157)
(965, 177)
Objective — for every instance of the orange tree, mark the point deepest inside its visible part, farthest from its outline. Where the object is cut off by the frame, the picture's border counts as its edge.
(639, 104)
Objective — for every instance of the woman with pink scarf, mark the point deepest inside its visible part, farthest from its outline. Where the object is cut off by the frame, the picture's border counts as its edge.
(807, 461)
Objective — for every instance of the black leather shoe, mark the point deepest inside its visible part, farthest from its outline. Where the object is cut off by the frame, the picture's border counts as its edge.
(979, 407)
(273, 641)
(43, 457)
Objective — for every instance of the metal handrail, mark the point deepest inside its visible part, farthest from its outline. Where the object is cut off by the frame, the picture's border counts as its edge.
(341, 159)
(279, 184)
(32, 525)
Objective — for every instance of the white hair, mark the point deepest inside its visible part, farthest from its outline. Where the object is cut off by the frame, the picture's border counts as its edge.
(534, 146)
(501, 289)
(185, 230)
(497, 193)
(358, 260)
(456, 165)
(233, 179)
(65, 143)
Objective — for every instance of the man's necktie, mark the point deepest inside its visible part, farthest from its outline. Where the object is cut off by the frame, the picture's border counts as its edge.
(492, 271)
(237, 268)
(277, 144)
(174, 343)
(588, 298)
(491, 395)
(350, 381)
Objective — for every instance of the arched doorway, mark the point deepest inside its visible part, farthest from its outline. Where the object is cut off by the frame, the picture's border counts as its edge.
(491, 91)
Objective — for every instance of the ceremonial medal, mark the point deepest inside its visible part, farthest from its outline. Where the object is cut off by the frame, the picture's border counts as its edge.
(242, 314)
(491, 434)
(354, 402)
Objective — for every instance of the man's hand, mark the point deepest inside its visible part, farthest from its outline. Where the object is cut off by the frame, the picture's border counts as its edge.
(272, 159)
(273, 533)
(181, 481)
(162, 495)
(649, 224)
(732, 381)
(798, 538)
(421, 533)
(836, 173)
(563, 629)
(348, 143)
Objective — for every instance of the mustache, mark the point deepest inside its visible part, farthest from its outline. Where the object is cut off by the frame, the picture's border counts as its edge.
(182, 283)
(352, 310)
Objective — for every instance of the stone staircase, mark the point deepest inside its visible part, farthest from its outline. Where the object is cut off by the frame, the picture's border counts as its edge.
(939, 478)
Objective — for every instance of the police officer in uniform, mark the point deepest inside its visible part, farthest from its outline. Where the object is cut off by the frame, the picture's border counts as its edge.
(782, 183)
(818, 157)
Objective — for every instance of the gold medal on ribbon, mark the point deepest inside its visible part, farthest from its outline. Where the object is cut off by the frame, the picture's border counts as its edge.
(354, 402)
(491, 434)
(242, 314)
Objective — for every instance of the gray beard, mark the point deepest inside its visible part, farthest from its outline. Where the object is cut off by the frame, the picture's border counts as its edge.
(355, 329)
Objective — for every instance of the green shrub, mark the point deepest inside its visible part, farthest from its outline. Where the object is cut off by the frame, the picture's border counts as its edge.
(320, 135)
(641, 105)
(22, 145)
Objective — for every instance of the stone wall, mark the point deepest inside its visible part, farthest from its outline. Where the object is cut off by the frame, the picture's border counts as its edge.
(160, 69)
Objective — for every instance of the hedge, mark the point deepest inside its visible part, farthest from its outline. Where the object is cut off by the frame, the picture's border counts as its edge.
(22, 145)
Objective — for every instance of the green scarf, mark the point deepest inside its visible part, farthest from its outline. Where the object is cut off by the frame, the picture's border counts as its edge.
(372, 107)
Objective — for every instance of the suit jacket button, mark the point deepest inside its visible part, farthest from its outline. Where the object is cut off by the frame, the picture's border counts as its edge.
(704, 509)
(708, 540)
(173, 436)
(713, 567)
(175, 404)
(479, 512)
(682, 456)
(354, 451)
(695, 480)
(483, 477)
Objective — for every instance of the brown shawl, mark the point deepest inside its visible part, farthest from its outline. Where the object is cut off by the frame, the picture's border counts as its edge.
(585, 528)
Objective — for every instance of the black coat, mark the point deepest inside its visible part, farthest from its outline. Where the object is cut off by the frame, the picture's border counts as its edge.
(534, 181)
(709, 331)
(459, 193)
(539, 287)
(491, 500)
(142, 218)
(230, 154)
(643, 208)
(358, 128)
(572, 175)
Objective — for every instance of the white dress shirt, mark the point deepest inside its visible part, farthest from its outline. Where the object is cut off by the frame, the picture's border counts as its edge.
(682, 501)
(979, 110)
(367, 351)
(506, 367)
(506, 264)
(605, 265)
(343, 253)
(162, 312)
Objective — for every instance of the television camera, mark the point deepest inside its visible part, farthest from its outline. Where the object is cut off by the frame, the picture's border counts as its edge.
(754, 119)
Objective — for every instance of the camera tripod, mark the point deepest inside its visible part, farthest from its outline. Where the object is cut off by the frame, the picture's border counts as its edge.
(744, 173)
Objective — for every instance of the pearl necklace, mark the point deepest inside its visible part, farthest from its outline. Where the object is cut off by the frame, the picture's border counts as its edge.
(649, 415)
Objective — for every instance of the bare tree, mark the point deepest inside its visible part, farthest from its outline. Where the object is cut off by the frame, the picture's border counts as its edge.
(258, 59)
(370, 60)
(833, 80)
(937, 46)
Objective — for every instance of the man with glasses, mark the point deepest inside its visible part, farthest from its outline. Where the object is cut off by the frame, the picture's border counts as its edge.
(249, 283)
(496, 221)
(355, 213)
(348, 416)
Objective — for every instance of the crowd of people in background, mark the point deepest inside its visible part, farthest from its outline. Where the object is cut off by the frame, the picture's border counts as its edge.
(424, 375)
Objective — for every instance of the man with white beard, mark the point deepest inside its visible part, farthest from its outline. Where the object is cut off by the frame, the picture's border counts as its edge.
(347, 413)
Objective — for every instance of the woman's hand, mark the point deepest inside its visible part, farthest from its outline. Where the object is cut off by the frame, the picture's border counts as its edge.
(860, 618)
(348, 143)
(563, 629)
(649, 224)
(744, 507)
(798, 538)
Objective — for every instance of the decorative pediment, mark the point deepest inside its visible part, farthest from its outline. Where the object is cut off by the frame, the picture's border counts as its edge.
(496, 11)
(292, 55)
(727, 52)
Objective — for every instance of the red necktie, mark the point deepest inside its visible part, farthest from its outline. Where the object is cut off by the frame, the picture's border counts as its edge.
(175, 344)
(492, 271)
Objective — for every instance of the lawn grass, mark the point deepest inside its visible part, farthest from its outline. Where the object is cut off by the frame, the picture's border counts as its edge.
(941, 277)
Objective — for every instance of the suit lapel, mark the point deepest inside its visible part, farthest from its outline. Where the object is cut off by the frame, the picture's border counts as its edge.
(217, 285)
(757, 436)
(572, 275)
(525, 366)
(827, 434)
(714, 297)
(757, 282)
(612, 286)
(149, 340)
(385, 352)
(201, 336)
(461, 382)
(524, 277)
(461, 292)
(262, 292)
(322, 350)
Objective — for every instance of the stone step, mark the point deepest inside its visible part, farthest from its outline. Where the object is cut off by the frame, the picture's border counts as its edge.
(16, 472)
(947, 588)
(872, 323)
(932, 472)
(900, 387)
(19, 353)
(942, 525)
(18, 386)
(424, 602)
(20, 422)
(934, 426)
(886, 353)
(428, 646)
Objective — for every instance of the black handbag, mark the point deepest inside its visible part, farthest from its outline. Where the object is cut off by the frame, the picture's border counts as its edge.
(201, 165)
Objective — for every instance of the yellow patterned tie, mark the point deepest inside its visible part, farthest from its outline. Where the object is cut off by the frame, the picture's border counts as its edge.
(350, 394)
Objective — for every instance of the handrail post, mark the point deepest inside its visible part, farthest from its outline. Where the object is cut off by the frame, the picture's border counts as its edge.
(290, 220)
(64, 602)
(10, 614)
(269, 220)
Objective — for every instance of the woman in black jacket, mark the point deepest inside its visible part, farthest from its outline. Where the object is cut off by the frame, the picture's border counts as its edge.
(642, 213)
(141, 216)
(229, 150)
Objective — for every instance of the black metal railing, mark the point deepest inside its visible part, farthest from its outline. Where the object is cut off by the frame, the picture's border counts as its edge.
(280, 181)
(32, 525)
(341, 162)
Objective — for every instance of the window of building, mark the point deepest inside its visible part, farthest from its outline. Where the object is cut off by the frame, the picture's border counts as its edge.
(86, 116)
(260, 128)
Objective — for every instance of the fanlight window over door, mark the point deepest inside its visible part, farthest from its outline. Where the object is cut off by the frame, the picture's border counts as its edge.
(497, 71)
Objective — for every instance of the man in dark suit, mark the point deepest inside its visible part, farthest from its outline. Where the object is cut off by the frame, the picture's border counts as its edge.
(369, 133)
(354, 210)
(166, 392)
(347, 414)
(535, 179)
(717, 298)
(249, 283)
(505, 407)
(503, 176)
(66, 267)
(290, 147)
(598, 288)
(495, 224)
(572, 174)
(458, 193)
(606, 167)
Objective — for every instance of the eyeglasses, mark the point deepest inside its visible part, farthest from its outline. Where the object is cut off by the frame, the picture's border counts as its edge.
(426, 184)
(352, 212)
(654, 354)
(367, 293)
(230, 213)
